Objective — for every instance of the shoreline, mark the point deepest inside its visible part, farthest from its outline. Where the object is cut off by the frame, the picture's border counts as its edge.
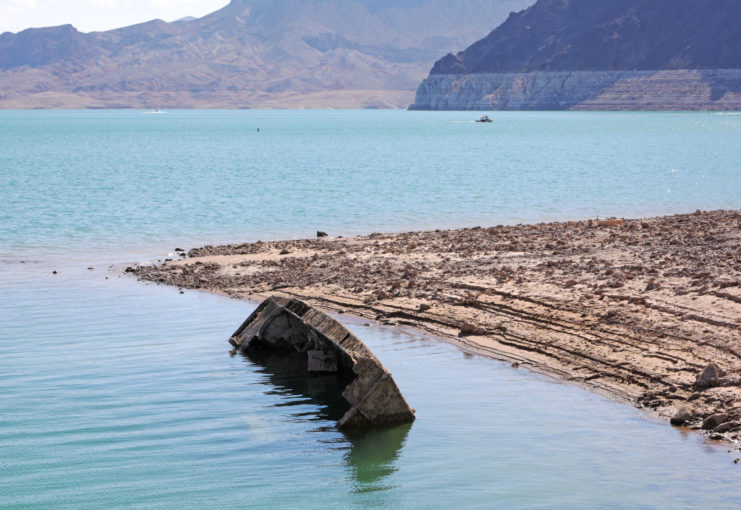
(636, 309)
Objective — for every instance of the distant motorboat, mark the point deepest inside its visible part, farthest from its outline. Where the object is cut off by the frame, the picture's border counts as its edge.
(156, 112)
(484, 118)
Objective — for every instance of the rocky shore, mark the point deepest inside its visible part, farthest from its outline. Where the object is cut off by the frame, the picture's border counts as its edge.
(647, 311)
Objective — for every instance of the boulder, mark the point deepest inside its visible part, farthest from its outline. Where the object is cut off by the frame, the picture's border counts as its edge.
(681, 417)
(319, 343)
(724, 427)
(709, 377)
(471, 329)
(711, 422)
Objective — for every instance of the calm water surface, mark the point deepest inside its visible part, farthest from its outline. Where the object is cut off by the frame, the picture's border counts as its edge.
(116, 394)
(74, 181)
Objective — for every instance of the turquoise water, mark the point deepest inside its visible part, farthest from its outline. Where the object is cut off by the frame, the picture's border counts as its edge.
(117, 394)
(103, 180)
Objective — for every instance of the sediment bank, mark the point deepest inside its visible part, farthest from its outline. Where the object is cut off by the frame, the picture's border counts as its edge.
(647, 311)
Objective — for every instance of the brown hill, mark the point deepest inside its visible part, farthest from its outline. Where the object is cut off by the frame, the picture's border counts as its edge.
(251, 53)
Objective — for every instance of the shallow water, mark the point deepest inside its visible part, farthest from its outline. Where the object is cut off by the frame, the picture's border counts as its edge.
(117, 394)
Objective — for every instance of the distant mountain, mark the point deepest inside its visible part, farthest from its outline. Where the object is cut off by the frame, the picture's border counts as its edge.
(612, 54)
(251, 53)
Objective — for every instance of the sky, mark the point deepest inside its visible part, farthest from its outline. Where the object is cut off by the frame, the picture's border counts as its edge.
(91, 15)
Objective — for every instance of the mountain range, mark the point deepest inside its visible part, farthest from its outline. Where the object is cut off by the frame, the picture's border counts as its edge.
(598, 54)
(251, 53)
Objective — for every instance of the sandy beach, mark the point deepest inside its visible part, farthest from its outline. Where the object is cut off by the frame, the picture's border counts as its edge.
(647, 311)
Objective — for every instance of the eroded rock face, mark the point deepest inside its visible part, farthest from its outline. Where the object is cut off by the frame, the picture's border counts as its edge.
(321, 344)
(705, 89)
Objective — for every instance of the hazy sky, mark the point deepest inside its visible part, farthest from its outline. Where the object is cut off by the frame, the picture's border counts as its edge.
(89, 15)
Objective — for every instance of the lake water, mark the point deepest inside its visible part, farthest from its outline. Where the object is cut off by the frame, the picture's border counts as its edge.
(117, 394)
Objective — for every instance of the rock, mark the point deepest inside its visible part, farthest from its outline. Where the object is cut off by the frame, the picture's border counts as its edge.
(319, 233)
(681, 417)
(713, 421)
(424, 307)
(471, 329)
(709, 377)
(284, 252)
(724, 427)
(292, 329)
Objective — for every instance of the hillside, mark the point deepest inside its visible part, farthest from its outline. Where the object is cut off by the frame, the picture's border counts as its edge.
(621, 54)
(251, 53)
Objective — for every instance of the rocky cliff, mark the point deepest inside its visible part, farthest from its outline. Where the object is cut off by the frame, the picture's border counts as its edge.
(581, 54)
(251, 53)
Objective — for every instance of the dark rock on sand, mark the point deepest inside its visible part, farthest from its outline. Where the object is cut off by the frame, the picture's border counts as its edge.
(471, 329)
(681, 417)
(709, 378)
(724, 427)
(711, 422)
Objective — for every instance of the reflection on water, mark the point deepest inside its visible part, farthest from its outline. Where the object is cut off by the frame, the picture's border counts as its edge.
(371, 454)
(288, 379)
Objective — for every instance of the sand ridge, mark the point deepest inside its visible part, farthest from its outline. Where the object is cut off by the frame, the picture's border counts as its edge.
(635, 309)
